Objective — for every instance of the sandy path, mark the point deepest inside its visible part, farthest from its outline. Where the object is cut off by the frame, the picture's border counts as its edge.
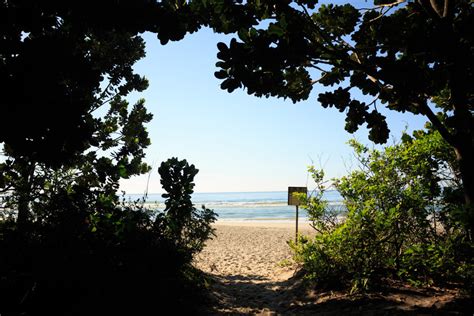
(245, 261)
(251, 262)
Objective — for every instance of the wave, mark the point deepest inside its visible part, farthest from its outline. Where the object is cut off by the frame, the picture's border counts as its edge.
(245, 205)
(250, 204)
(227, 204)
(240, 204)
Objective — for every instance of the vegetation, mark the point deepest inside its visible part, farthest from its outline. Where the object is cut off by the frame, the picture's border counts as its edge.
(403, 220)
(85, 258)
(68, 60)
(181, 222)
(414, 56)
(69, 246)
(68, 137)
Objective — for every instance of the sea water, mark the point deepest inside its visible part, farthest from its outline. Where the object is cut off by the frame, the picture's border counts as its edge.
(245, 205)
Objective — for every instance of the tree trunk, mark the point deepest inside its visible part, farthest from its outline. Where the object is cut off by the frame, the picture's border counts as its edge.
(24, 195)
(465, 158)
(23, 210)
(463, 144)
(460, 82)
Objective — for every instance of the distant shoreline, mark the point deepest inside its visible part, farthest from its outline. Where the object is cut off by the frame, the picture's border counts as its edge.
(246, 206)
(303, 225)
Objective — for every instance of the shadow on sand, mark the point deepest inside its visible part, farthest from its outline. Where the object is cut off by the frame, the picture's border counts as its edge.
(256, 295)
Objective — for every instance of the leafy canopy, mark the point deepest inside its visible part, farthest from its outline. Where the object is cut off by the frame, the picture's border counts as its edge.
(406, 55)
(60, 62)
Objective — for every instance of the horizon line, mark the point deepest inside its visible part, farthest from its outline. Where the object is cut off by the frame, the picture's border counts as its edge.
(212, 192)
(220, 192)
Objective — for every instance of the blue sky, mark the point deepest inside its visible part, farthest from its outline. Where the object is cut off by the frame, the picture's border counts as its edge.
(238, 142)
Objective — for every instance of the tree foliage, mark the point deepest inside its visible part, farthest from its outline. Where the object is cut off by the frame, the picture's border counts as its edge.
(86, 253)
(60, 62)
(62, 66)
(408, 56)
(401, 58)
(69, 136)
(181, 221)
(88, 183)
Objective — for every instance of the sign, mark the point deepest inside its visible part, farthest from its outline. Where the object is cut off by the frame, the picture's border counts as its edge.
(292, 200)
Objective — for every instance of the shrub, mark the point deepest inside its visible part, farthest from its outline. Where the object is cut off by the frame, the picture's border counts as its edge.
(105, 258)
(399, 221)
(182, 223)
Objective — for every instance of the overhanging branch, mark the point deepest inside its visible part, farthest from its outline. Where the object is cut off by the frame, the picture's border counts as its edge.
(384, 5)
(436, 8)
(437, 123)
(447, 9)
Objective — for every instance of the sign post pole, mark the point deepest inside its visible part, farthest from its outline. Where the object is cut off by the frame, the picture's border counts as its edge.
(294, 199)
(296, 236)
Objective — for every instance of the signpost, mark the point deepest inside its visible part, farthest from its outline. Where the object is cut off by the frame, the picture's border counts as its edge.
(294, 200)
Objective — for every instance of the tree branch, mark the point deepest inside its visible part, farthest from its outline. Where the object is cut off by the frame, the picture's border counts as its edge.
(374, 102)
(320, 61)
(436, 8)
(382, 13)
(389, 5)
(320, 33)
(313, 82)
(106, 101)
(372, 78)
(319, 68)
(106, 90)
(102, 95)
(332, 49)
(425, 109)
(426, 6)
(6, 189)
(447, 8)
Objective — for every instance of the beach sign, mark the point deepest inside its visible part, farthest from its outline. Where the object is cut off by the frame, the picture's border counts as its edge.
(294, 200)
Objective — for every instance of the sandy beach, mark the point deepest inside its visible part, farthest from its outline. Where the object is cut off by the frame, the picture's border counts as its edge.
(252, 273)
(250, 248)
(251, 262)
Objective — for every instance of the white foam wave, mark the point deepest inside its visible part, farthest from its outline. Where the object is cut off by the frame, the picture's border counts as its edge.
(238, 204)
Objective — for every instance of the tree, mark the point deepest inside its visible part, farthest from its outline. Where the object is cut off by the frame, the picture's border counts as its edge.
(59, 64)
(415, 56)
(68, 137)
(92, 180)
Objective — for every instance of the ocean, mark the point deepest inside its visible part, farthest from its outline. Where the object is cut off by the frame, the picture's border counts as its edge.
(245, 205)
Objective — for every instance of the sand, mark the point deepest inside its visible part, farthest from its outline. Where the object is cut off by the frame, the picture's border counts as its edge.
(249, 261)
(252, 272)
(256, 249)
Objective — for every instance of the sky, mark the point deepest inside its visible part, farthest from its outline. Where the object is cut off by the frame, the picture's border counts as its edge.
(239, 143)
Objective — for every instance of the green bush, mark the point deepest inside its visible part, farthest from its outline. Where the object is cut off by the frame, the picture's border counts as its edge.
(447, 259)
(182, 223)
(398, 220)
(85, 258)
